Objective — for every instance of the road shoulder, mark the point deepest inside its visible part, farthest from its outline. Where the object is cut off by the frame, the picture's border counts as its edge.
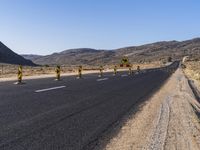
(166, 121)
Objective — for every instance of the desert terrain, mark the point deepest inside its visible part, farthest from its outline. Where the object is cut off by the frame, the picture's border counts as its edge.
(10, 71)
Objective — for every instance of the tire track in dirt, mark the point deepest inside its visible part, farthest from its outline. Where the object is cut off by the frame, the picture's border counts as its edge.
(161, 126)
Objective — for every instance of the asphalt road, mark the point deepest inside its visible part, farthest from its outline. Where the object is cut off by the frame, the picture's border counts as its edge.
(70, 114)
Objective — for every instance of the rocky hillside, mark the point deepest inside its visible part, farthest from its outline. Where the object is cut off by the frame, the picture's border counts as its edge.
(31, 57)
(162, 50)
(77, 56)
(145, 53)
(10, 57)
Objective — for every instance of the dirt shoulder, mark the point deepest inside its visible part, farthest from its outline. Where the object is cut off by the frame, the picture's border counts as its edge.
(9, 72)
(167, 121)
(40, 76)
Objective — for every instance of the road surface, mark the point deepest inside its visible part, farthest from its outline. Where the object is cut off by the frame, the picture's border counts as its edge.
(70, 114)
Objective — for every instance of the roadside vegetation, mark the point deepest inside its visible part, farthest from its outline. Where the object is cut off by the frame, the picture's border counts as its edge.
(192, 70)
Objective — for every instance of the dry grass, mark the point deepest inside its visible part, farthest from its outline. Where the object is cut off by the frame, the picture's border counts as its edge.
(11, 70)
(7, 70)
(192, 70)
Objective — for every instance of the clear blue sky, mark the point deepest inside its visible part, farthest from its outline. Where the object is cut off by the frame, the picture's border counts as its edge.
(47, 26)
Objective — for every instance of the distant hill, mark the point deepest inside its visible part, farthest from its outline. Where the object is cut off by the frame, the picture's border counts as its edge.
(145, 53)
(162, 50)
(31, 57)
(10, 57)
(77, 56)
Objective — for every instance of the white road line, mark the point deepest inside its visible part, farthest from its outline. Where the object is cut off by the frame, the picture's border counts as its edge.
(124, 75)
(102, 79)
(49, 89)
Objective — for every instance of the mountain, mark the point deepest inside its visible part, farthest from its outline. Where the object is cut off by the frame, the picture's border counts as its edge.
(76, 56)
(31, 57)
(162, 50)
(10, 57)
(158, 51)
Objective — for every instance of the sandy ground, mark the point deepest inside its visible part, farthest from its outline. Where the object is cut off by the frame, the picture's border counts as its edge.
(40, 76)
(167, 121)
(9, 72)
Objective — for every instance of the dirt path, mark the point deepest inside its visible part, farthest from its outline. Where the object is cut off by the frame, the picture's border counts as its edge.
(166, 122)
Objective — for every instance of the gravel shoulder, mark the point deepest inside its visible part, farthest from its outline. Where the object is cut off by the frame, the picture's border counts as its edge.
(167, 121)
